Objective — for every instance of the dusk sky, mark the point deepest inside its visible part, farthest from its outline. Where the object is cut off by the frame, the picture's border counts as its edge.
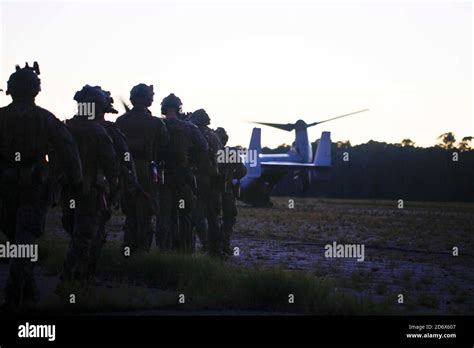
(270, 61)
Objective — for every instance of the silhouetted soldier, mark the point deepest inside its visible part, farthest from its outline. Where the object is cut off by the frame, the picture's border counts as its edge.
(127, 179)
(146, 136)
(209, 184)
(28, 133)
(230, 172)
(175, 228)
(86, 210)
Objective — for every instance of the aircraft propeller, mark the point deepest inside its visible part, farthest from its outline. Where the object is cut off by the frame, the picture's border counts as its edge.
(300, 124)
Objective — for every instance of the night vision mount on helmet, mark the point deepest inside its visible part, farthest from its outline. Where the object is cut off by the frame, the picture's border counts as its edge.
(24, 81)
(91, 94)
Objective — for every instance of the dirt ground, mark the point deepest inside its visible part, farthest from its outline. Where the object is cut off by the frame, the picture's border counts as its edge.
(408, 251)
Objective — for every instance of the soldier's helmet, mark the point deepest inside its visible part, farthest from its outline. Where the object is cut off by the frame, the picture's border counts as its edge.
(142, 94)
(92, 94)
(24, 81)
(200, 118)
(109, 109)
(222, 134)
(171, 102)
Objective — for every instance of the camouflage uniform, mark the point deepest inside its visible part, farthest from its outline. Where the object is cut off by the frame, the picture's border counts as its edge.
(230, 172)
(127, 180)
(146, 136)
(175, 228)
(86, 210)
(31, 132)
(208, 186)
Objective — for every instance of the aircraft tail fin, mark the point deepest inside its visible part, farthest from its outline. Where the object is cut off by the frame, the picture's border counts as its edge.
(322, 158)
(254, 169)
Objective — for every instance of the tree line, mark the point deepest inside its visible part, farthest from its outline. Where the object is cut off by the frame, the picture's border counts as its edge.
(378, 170)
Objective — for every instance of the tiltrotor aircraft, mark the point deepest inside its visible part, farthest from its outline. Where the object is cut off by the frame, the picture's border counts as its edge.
(266, 170)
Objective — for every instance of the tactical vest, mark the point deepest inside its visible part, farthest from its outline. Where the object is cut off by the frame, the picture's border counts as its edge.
(178, 150)
(23, 145)
(207, 168)
(214, 147)
(140, 131)
(86, 138)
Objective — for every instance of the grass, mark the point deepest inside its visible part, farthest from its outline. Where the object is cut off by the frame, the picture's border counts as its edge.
(122, 297)
(381, 288)
(406, 275)
(428, 300)
(208, 283)
(211, 284)
(424, 225)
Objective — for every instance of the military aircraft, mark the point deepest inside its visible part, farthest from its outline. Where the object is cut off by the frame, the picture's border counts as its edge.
(266, 170)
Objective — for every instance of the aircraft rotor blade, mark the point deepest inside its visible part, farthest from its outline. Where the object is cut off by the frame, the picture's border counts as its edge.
(334, 118)
(286, 127)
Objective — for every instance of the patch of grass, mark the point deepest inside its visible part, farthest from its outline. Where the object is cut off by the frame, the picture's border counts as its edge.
(381, 288)
(406, 275)
(419, 285)
(410, 304)
(461, 297)
(428, 300)
(52, 254)
(118, 298)
(427, 279)
(210, 283)
(360, 279)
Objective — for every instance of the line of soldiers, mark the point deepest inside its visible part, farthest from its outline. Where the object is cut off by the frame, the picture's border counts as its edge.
(151, 166)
